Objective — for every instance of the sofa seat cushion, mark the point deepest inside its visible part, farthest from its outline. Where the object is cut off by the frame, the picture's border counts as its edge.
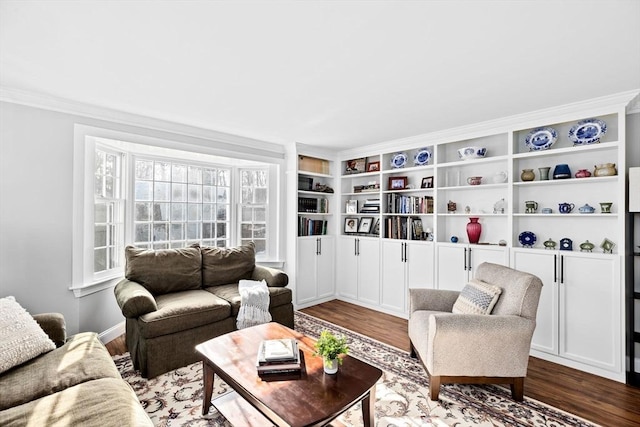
(164, 270)
(179, 311)
(227, 265)
(106, 402)
(82, 358)
(277, 296)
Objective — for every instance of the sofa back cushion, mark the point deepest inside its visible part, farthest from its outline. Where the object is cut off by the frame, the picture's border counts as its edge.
(221, 266)
(164, 270)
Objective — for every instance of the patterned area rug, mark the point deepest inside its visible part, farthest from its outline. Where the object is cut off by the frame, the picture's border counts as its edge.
(175, 398)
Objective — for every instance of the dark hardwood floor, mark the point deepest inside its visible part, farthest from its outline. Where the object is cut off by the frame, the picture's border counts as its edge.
(596, 399)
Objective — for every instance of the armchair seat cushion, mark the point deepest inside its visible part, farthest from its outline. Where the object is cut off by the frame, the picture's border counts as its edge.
(82, 358)
(180, 311)
(277, 296)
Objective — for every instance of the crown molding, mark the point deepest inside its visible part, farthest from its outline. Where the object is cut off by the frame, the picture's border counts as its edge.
(61, 105)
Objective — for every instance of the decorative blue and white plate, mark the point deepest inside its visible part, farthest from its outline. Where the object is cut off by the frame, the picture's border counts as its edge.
(588, 131)
(422, 157)
(399, 160)
(527, 239)
(541, 138)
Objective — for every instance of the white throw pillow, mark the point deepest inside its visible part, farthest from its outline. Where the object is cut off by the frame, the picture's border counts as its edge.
(477, 297)
(21, 338)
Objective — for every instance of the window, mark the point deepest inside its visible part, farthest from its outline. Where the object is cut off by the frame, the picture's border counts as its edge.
(108, 212)
(177, 203)
(156, 193)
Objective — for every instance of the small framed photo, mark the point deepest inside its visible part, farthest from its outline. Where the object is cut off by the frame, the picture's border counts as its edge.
(351, 225)
(365, 224)
(397, 182)
(373, 167)
(427, 182)
(356, 166)
(352, 206)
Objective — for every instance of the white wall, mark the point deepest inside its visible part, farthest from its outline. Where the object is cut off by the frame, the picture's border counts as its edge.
(36, 202)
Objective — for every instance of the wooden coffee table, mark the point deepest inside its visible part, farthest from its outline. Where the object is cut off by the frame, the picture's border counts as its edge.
(314, 399)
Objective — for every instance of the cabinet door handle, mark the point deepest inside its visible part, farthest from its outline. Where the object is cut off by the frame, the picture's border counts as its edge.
(358, 247)
(355, 247)
(469, 259)
(555, 268)
(405, 252)
(401, 252)
(562, 269)
(318, 246)
(465, 259)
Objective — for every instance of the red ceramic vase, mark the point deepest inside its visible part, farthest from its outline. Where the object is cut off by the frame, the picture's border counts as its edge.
(474, 229)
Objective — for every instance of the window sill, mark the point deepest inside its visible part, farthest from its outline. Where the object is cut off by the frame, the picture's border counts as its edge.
(272, 264)
(92, 288)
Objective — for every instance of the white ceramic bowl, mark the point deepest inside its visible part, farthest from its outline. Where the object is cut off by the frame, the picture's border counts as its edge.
(468, 153)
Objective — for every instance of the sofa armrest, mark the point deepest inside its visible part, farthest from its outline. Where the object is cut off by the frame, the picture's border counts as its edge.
(134, 299)
(54, 326)
(274, 277)
(432, 299)
(478, 345)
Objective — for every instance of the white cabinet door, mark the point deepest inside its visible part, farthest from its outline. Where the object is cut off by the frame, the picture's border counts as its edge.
(393, 275)
(306, 283)
(544, 265)
(452, 266)
(480, 253)
(368, 260)
(420, 265)
(347, 271)
(590, 295)
(324, 266)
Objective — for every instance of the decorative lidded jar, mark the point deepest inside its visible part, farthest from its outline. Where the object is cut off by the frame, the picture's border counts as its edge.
(605, 169)
(527, 175)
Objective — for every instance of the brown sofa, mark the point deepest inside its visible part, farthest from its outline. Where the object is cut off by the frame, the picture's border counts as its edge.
(174, 299)
(77, 384)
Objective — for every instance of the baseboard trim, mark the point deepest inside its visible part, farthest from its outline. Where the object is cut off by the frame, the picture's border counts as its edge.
(112, 333)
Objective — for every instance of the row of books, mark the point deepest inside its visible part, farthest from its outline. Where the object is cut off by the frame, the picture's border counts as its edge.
(371, 206)
(278, 357)
(311, 227)
(397, 203)
(406, 228)
(313, 205)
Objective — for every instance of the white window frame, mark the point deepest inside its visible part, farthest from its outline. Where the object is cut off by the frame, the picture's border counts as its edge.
(84, 282)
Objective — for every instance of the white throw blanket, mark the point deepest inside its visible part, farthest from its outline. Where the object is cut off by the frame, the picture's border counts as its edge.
(254, 304)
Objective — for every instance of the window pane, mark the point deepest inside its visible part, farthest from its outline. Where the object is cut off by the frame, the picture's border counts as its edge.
(207, 212)
(259, 231)
(195, 193)
(195, 175)
(208, 194)
(100, 236)
(246, 231)
(260, 214)
(109, 187)
(178, 211)
(261, 246)
(100, 259)
(160, 246)
(178, 192)
(209, 176)
(207, 230)
(114, 257)
(100, 212)
(246, 178)
(221, 230)
(177, 231)
(247, 195)
(162, 171)
(193, 231)
(142, 233)
(161, 211)
(143, 211)
(161, 191)
(98, 185)
(144, 169)
(195, 212)
(160, 232)
(143, 190)
(223, 178)
(179, 173)
(260, 196)
(222, 195)
(99, 168)
(110, 164)
(222, 212)
(247, 213)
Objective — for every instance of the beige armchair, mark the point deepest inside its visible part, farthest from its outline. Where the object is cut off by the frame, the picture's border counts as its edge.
(476, 348)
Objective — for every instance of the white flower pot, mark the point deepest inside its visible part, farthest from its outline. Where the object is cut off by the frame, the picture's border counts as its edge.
(331, 366)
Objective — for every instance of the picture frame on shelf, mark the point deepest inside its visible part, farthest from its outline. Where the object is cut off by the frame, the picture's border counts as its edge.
(397, 182)
(351, 225)
(373, 166)
(351, 206)
(365, 224)
(356, 166)
(427, 182)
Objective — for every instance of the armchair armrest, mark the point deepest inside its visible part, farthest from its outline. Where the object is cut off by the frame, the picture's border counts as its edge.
(478, 345)
(273, 276)
(432, 299)
(134, 299)
(54, 326)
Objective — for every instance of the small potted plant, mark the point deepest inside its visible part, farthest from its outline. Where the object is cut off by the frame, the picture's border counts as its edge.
(330, 347)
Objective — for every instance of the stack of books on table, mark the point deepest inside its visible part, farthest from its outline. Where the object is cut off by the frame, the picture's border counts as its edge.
(278, 357)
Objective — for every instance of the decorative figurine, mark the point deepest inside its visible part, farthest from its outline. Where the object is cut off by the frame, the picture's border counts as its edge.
(566, 244)
(451, 207)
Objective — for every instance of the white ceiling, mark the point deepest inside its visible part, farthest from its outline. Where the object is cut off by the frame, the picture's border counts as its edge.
(325, 73)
